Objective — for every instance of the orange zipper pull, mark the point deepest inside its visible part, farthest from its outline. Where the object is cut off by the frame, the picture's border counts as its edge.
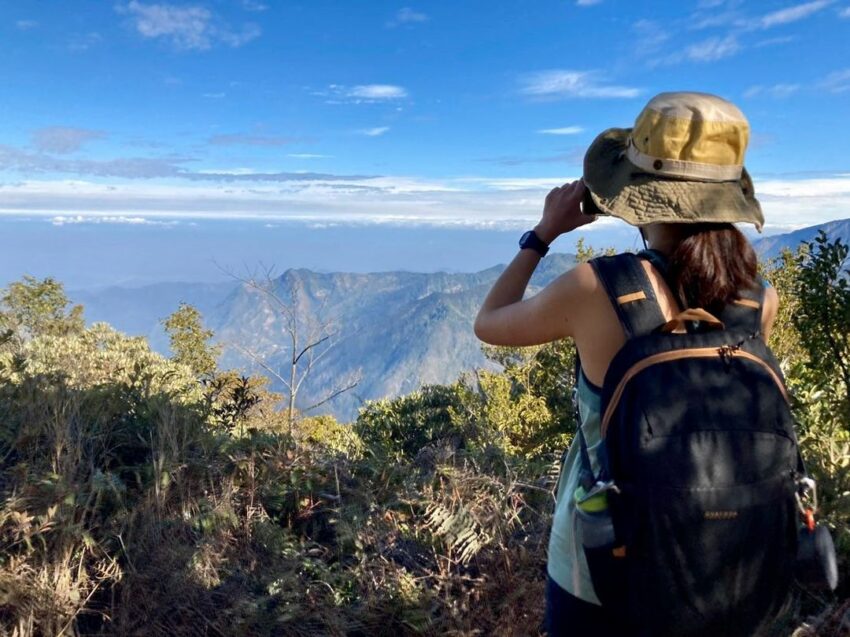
(810, 520)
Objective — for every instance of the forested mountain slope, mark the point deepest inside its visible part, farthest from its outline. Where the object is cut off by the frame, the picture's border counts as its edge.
(396, 331)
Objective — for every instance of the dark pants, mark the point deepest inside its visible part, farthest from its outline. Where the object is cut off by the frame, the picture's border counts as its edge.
(568, 616)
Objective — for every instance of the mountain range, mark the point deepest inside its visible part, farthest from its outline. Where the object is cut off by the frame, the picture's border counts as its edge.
(395, 331)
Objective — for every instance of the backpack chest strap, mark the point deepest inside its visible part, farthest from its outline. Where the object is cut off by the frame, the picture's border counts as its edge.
(630, 292)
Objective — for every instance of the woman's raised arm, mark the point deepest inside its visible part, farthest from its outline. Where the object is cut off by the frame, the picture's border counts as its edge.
(504, 318)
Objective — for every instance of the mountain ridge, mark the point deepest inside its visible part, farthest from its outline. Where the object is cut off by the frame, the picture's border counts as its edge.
(397, 329)
(772, 246)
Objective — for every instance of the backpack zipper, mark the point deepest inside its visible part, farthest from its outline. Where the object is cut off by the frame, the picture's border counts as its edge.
(725, 353)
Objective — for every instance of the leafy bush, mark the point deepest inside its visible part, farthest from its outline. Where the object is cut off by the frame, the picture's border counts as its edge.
(402, 427)
(812, 340)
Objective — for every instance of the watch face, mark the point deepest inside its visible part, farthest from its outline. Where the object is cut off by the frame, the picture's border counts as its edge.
(525, 237)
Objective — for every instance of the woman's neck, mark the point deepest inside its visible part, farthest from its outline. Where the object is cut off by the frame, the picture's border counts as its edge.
(661, 238)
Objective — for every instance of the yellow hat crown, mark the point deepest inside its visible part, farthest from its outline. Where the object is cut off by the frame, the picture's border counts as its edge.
(690, 136)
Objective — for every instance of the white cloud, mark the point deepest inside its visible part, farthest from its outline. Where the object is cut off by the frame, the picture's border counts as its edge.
(170, 167)
(777, 91)
(253, 5)
(836, 82)
(587, 3)
(785, 39)
(713, 49)
(63, 139)
(509, 184)
(566, 130)
(407, 16)
(309, 156)
(804, 188)
(189, 27)
(249, 140)
(792, 14)
(804, 202)
(650, 37)
(377, 131)
(844, 13)
(377, 92)
(560, 83)
(93, 219)
(25, 25)
(362, 94)
(213, 96)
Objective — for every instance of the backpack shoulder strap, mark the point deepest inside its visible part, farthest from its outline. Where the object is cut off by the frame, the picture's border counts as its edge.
(745, 312)
(630, 291)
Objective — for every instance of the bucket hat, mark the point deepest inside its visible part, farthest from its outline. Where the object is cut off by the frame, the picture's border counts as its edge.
(681, 162)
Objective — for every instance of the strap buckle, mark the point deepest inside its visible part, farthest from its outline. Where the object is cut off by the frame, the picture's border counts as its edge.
(807, 500)
(807, 488)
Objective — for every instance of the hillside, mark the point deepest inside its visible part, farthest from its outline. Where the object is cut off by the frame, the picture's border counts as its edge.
(396, 330)
(769, 247)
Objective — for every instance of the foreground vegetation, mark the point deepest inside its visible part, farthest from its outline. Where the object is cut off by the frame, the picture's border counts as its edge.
(144, 495)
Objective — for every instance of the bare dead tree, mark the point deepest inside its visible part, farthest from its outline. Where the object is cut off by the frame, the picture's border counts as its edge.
(308, 342)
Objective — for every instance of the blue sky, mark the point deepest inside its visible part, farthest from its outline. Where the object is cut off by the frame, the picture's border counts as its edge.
(441, 114)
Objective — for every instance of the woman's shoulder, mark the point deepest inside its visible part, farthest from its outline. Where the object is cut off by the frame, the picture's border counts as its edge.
(769, 309)
(584, 276)
(582, 280)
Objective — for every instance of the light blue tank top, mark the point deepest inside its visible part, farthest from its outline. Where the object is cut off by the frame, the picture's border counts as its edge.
(566, 563)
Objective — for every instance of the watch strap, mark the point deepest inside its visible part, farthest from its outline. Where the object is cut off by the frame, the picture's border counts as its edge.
(531, 241)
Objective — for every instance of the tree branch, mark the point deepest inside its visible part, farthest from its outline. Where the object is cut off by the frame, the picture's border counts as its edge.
(333, 395)
(309, 347)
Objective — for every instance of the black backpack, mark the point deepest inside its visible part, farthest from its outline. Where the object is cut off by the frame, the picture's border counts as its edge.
(701, 468)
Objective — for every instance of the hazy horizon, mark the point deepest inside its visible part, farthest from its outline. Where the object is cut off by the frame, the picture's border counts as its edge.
(85, 254)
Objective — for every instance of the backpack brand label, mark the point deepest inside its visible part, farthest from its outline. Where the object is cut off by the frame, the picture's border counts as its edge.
(720, 515)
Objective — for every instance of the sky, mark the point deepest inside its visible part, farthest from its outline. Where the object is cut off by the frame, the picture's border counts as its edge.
(164, 126)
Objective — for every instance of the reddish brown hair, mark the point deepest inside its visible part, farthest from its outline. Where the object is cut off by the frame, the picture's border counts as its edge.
(711, 265)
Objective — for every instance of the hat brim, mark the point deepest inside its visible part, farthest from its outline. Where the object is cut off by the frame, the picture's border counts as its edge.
(621, 189)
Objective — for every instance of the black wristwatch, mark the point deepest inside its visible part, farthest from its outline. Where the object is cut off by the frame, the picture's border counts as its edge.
(532, 241)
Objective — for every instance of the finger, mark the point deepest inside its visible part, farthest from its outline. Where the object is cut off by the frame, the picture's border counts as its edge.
(578, 186)
(554, 192)
(576, 191)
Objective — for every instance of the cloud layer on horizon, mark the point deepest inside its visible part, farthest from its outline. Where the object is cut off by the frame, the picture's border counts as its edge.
(479, 202)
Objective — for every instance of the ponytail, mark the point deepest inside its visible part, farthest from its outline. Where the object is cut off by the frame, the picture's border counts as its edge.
(711, 265)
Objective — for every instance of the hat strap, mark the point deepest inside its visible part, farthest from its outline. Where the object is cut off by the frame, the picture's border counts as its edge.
(680, 168)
